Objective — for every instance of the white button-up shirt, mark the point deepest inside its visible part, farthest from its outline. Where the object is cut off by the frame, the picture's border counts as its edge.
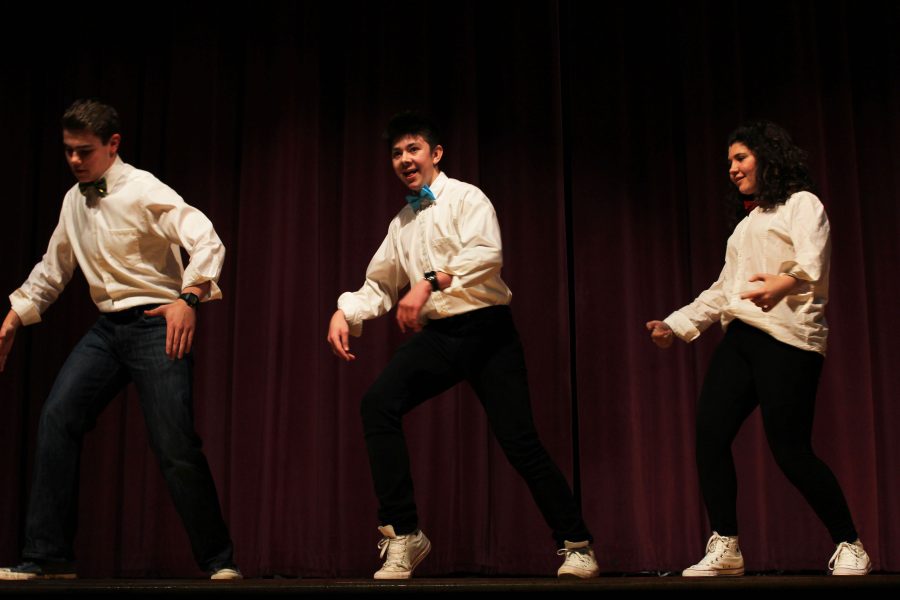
(791, 238)
(458, 235)
(127, 244)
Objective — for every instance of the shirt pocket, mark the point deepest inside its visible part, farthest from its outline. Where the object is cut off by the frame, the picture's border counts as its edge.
(777, 250)
(443, 250)
(121, 247)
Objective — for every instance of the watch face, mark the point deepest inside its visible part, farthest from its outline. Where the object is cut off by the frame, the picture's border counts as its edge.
(190, 299)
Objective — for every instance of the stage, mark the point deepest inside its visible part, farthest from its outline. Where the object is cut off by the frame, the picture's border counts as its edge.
(458, 585)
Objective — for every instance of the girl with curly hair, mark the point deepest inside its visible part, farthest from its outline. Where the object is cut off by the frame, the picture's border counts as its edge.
(770, 299)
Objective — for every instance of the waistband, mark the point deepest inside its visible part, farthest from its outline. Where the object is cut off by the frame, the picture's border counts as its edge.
(488, 313)
(128, 315)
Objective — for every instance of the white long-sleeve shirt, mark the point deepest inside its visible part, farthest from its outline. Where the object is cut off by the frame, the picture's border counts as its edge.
(458, 235)
(791, 238)
(127, 245)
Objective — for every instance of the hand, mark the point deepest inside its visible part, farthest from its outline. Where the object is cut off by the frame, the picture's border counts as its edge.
(8, 335)
(411, 305)
(339, 336)
(770, 293)
(181, 321)
(660, 333)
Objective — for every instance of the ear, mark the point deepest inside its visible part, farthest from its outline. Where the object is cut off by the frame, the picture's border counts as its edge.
(113, 143)
(436, 153)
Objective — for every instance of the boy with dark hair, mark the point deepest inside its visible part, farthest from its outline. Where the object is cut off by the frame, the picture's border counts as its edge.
(123, 227)
(446, 245)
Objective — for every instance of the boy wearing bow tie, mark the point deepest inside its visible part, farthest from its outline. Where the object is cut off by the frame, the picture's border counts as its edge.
(446, 245)
(123, 228)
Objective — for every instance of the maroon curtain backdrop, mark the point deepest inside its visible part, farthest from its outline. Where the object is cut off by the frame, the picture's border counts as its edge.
(599, 134)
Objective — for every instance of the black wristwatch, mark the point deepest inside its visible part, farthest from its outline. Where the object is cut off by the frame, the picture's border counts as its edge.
(192, 300)
(431, 277)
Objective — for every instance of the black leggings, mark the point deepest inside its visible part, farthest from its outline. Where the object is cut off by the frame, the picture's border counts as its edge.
(751, 368)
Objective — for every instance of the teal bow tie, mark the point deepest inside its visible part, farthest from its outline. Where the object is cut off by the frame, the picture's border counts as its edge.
(99, 185)
(425, 195)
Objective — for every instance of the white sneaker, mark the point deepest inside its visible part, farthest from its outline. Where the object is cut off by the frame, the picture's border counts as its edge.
(404, 553)
(580, 561)
(226, 574)
(45, 570)
(723, 557)
(850, 559)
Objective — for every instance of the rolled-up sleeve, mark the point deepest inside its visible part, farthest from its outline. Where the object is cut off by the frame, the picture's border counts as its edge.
(480, 253)
(48, 278)
(688, 322)
(378, 294)
(182, 224)
(811, 236)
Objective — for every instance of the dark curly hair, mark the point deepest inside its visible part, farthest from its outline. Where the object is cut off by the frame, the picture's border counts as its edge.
(781, 168)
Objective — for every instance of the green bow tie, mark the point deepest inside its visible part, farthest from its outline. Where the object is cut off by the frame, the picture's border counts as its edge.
(99, 185)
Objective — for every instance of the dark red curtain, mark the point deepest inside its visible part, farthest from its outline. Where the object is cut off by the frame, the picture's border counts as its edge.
(598, 133)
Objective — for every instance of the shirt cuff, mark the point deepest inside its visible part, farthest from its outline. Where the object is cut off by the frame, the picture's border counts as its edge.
(193, 277)
(25, 308)
(345, 305)
(455, 284)
(682, 327)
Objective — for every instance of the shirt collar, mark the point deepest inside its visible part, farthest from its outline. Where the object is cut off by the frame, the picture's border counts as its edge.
(114, 173)
(438, 184)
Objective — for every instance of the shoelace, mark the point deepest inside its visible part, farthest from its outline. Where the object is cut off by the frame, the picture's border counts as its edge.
(579, 555)
(837, 553)
(715, 547)
(395, 548)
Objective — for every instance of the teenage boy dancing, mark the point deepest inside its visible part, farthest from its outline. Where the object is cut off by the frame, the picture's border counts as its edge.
(446, 245)
(123, 228)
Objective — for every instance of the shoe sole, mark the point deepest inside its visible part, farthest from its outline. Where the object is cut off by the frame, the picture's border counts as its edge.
(8, 576)
(850, 572)
(415, 563)
(738, 572)
(578, 574)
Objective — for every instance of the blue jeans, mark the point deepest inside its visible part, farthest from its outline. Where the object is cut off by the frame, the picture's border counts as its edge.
(119, 348)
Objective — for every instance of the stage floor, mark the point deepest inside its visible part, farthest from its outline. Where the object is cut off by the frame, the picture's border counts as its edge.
(755, 583)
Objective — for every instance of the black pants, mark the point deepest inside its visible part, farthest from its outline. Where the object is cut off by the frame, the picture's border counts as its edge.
(751, 368)
(483, 348)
